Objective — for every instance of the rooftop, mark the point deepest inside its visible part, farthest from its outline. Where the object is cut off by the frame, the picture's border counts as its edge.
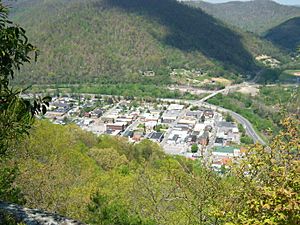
(225, 149)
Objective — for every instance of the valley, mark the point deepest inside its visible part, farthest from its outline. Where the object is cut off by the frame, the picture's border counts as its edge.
(149, 112)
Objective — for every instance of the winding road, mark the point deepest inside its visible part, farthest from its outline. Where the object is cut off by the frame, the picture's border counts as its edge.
(250, 131)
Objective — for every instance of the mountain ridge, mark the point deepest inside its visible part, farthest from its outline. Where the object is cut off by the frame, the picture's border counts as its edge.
(286, 35)
(256, 16)
(115, 41)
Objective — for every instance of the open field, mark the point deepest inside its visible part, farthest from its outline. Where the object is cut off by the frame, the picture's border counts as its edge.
(293, 72)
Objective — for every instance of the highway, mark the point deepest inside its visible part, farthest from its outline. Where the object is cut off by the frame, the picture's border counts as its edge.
(240, 119)
(202, 102)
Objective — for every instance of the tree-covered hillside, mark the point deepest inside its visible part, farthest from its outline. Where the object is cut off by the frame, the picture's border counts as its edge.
(109, 181)
(256, 16)
(286, 35)
(117, 40)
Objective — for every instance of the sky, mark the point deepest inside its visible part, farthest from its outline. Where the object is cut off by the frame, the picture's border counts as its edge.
(285, 2)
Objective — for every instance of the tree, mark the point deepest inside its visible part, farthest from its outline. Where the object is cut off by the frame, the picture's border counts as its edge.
(269, 181)
(16, 114)
(194, 148)
(104, 212)
(228, 118)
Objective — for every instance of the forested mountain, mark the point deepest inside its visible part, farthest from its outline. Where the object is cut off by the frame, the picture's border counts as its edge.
(286, 35)
(256, 16)
(117, 40)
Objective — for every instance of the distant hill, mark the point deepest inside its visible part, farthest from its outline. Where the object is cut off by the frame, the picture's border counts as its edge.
(256, 16)
(286, 35)
(111, 41)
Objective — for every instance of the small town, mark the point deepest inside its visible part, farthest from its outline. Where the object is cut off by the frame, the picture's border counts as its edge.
(149, 112)
(181, 129)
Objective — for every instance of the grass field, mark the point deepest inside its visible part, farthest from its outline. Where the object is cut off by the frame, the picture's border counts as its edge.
(293, 72)
(290, 75)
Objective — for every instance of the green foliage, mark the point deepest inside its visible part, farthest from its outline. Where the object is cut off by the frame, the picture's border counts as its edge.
(15, 112)
(246, 140)
(264, 110)
(268, 191)
(254, 16)
(111, 181)
(194, 148)
(286, 35)
(194, 108)
(8, 192)
(228, 118)
(8, 219)
(104, 212)
(161, 127)
(55, 169)
(109, 42)
(269, 76)
(14, 52)
(108, 158)
(128, 90)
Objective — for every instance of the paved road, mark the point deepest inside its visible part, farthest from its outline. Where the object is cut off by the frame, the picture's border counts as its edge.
(248, 127)
(132, 126)
(242, 120)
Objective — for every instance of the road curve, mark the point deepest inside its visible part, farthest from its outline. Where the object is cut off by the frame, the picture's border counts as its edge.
(242, 120)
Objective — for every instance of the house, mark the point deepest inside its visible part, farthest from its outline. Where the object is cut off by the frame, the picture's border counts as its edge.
(124, 120)
(170, 116)
(204, 139)
(96, 113)
(225, 152)
(147, 117)
(109, 118)
(195, 114)
(137, 136)
(225, 126)
(199, 127)
(174, 139)
(156, 136)
(155, 112)
(228, 131)
(177, 136)
(150, 125)
(175, 107)
(116, 126)
(128, 134)
(113, 132)
(208, 113)
(184, 127)
(219, 141)
(87, 114)
(190, 122)
(191, 139)
(54, 114)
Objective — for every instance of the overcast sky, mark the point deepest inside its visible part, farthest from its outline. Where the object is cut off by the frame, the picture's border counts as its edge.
(286, 2)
